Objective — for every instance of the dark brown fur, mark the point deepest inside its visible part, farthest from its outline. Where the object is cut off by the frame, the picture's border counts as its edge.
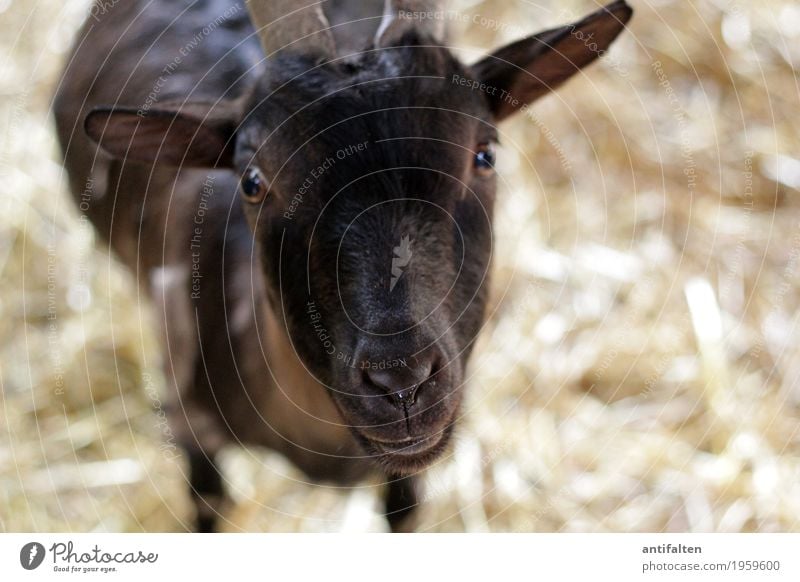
(244, 354)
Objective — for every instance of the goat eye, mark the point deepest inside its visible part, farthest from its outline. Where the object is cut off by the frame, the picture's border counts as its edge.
(485, 159)
(254, 186)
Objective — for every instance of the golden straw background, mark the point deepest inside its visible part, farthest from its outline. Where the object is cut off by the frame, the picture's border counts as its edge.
(641, 367)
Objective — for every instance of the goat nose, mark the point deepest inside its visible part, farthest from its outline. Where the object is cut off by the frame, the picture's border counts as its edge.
(400, 382)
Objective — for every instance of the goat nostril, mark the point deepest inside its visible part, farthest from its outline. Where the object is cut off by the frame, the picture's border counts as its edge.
(399, 384)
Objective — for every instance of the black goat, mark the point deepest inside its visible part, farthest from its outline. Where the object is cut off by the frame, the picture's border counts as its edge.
(314, 226)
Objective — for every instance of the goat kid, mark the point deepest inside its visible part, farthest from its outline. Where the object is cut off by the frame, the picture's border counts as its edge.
(308, 202)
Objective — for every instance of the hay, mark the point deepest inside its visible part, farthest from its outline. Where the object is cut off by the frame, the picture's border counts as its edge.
(640, 369)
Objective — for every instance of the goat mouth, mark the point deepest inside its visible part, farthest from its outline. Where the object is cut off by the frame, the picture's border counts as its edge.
(403, 456)
(409, 446)
(406, 456)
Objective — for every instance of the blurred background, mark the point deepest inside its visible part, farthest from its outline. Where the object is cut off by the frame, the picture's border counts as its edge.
(641, 369)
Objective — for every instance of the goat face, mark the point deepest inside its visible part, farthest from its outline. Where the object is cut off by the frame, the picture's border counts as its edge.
(369, 187)
(375, 236)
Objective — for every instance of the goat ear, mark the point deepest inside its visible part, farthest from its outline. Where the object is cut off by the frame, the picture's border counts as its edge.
(186, 134)
(523, 71)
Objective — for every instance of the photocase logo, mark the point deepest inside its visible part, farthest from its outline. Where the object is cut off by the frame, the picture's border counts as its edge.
(402, 256)
(31, 555)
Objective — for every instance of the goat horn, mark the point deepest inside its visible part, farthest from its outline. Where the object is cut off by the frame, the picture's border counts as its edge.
(282, 25)
(401, 15)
